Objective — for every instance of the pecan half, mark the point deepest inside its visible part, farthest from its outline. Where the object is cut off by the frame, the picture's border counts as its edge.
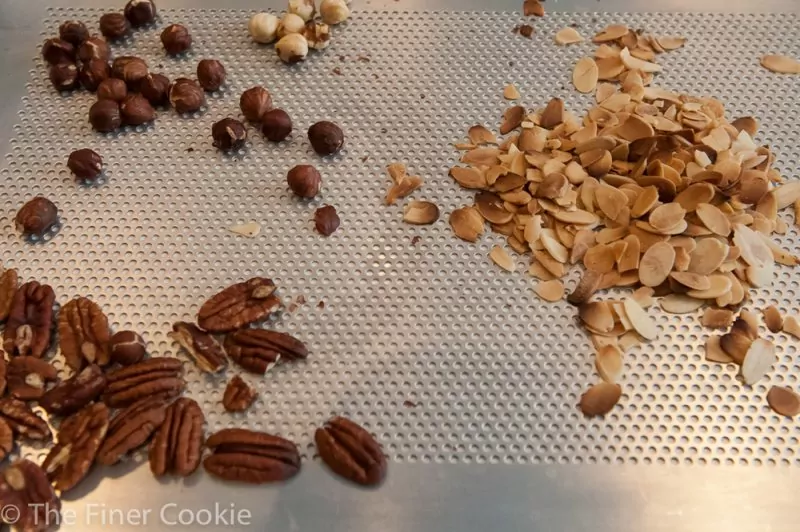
(74, 393)
(203, 348)
(8, 287)
(27, 377)
(351, 452)
(239, 305)
(6, 439)
(154, 377)
(79, 438)
(257, 350)
(238, 395)
(3, 372)
(248, 456)
(84, 333)
(27, 497)
(131, 428)
(23, 420)
(29, 324)
(177, 446)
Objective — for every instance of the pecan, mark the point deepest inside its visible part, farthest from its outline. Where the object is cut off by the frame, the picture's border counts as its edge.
(28, 377)
(3, 371)
(239, 305)
(257, 350)
(351, 452)
(203, 348)
(79, 438)
(154, 377)
(238, 395)
(131, 428)
(177, 446)
(84, 333)
(74, 393)
(248, 456)
(8, 287)
(6, 439)
(23, 420)
(27, 498)
(29, 324)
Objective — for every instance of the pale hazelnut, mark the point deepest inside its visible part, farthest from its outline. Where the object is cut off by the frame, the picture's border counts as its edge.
(292, 48)
(334, 11)
(290, 23)
(263, 27)
(305, 9)
(317, 34)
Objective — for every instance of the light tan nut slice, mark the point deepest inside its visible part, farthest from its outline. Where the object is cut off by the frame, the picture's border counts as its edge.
(610, 200)
(644, 296)
(600, 258)
(405, 187)
(717, 318)
(656, 264)
(736, 342)
(714, 352)
(680, 304)
(709, 255)
(512, 119)
(420, 212)
(558, 269)
(587, 286)
(641, 322)
(634, 128)
(533, 230)
(510, 92)
(714, 219)
(645, 202)
(629, 340)
(720, 284)
(695, 194)
(501, 257)
(467, 223)
(791, 326)
(250, 229)
(396, 171)
(667, 216)
(481, 156)
(597, 315)
(584, 240)
(469, 177)
(787, 193)
(540, 272)
(758, 361)
(568, 35)
(585, 74)
(608, 362)
(533, 7)
(692, 280)
(634, 63)
(480, 135)
(596, 162)
(773, 319)
(783, 401)
(575, 217)
(671, 43)
(551, 291)
(491, 207)
(611, 33)
(600, 399)
(782, 64)
(754, 251)
(630, 257)
(553, 246)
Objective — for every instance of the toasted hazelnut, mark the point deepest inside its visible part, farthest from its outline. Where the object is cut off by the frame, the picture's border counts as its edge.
(228, 134)
(155, 87)
(317, 34)
(304, 180)
(37, 216)
(64, 76)
(326, 220)
(290, 23)
(112, 89)
(254, 102)
(292, 48)
(186, 96)
(127, 347)
(74, 32)
(56, 51)
(304, 9)
(276, 125)
(136, 110)
(104, 115)
(132, 70)
(114, 25)
(210, 74)
(86, 164)
(263, 27)
(176, 39)
(326, 137)
(94, 48)
(93, 73)
(334, 11)
(140, 12)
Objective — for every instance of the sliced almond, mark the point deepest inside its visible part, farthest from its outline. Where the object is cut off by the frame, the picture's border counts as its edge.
(585, 75)
(634, 63)
(608, 362)
(600, 258)
(467, 223)
(397, 171)
(758, 361)
(783, 401)
(576, 217)
(468, 177)
(512, 119)
(791, 326)
(680, 304)
(666, 217)
(597, 315)
(719, 284)
(714, 219)
(714, 352)
(567, 36)
(656, 264)
(644, 296)
(645, 202)
(600, 399)
(773, 319)
(692, 280)
(501, 257)
(553, 114)
(709, 254)
(611, 33)
(420, 212)
(540, 272)
(480, 135)
(634, 128)
(491, 207)
(782, 64)
(641, 322)
(510, 92)
(552, 265)
(753, 249)
(717, 318)
(554, 247)
(250, 229)
(671, 43)
(787, 194)
(610, 200)
(551, 291)
(403, 188)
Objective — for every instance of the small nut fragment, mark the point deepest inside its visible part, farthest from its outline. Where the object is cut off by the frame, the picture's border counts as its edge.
(717, 318)
(127, 347)
(326, 220)
(773, 319)
(501, 257)
(420, 212)
(334, 11)
(229, 134)
(292, 48)
(304, 180)
(608, 362)
(510, 92)
(249, 229)
(781, 64)
(263, 27)
(37, 216)
(715, 353)
(600, 399)
(326, 138)
(791, 326)
(276, 125)
(533, 7)
(203, 348)
(783, 401)
(176, 39)
(254, 102)
(238, 395)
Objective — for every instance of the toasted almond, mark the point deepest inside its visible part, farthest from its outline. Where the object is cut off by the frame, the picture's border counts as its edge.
(552, 265)
(791, 326)
(510, 92)
(645, 202)
(680, 304)
(671, 43)
(403, 188)
(586, 287)
(717, 318)
(480, 135)
(540, 272)
(709, 254)
(634, 128)
(600, 399)
(782, 64)
(608, 362)
(468, 177)
(501, 257)
(753, 249)
(758, 361)
(397, 171)
(597, 315)
(568, 35)
(599, 341)
(551, 291)
(695, 194)
(467, 223)
(600, 258)
(491, 207)
(553, 114)
(787, 193)
(714, 219)
(747, 324)
(576, 217)
(666, 217)
(714, 352)
(720, 284)
(553, 246)
(610, 200)
(585, 74)
(783, 401)
(634, 63)
(644, 296)
(735, 344)
(683, 258)
(512, 119)
(420, 212)
(760, 276)
(629, 340)
(656, 264)
(692, 280)
(611, 33)
(773, 319)
(641, 322)
(250, 229)
(533, 7)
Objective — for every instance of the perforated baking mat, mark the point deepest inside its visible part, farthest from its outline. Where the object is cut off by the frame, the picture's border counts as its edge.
(445, 357)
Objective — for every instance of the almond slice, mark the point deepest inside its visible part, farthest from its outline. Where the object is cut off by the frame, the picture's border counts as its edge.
(467, 223)
(692, 280)
(714, 219)
(644, 296)
(611, 33)
(403, 188)
(397, 171)
(645, 201)
(600, 399)
(634, 63)
(567, 36)
(512, 119)
(600, 258)
(510, 92)
(533, 230)
(781, 64)
(754, 250)
(250, 229)
(791, 326)
(553, 246)
(680, 304)
(641, 322)
(709, 255)
(585, 75)
(551, 291)
(783, 401)
(468, 177)
(666, 217)
(656, 264)
(787, 194)
(714, 352)
(720, 284)
(491, 207)
(717, 318)
(480, 135)
(597, 315)
(540, 272)
(671, 43)
(608, 362)
(773, 319)
(481, 156)
(758, 361)
(501, 257)
(695, 194)
(576, 217)
(610, 200)
(420, 212)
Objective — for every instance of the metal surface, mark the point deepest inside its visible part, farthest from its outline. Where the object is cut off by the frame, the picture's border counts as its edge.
(459, 369)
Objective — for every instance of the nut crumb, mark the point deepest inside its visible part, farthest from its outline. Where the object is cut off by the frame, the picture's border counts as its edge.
(410, 404)
(415, 240)
(364, 158)
(321, 305)
(337, 71)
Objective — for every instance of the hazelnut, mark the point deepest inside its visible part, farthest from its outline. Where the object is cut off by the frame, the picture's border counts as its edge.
(64, 76)
(290, 23)
(176, 39)
(334, 11)
(155, 87)
(276, 125)
(326, 220)
(127, 348)
(112, 89)
(114, 25)
(94, 48)
(132, 70)
(254, 102)
(136, 110)
(292, 48)
(263, 27)
(104, 115)
(186, 96)
(140, 12)
(56, 51)
(317, 34)
(326, 138)
(37, 216)
(304, 180)
(210, 74)
(93, 73)
(228, 134)
(304, 9)
(85, 164)
(74, 32)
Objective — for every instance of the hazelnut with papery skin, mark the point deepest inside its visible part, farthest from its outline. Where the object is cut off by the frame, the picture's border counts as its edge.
(114, 25)
(290, 23)
(74, 32)
(155, 87)
(186, 96)
(304, 180)
(176, 39)
(326, 220)
(56, 51)
(136, 110)
(104, 115)
(276, 125)
(126, 348)
(86, 164)
(334, 11)
(37, 216)
(292, 48)
(64, 76)
(305, 9)
(132, 70)
(112, 89)
(254, 102)
(317, 34)
(263, 27)
(93, 73)
(326, 137)
(140, 12)
(228, 134)
(210, 74)
(94, 48)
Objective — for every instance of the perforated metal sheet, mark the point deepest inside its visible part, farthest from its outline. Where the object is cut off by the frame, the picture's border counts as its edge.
(493, 373)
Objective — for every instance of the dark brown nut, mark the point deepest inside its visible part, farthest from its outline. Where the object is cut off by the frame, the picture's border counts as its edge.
(176, 39)
(276, 125)
(104, 115)
(114, 25)
(74, 32)
(86, 164)
(22, 420)
(257, 350)
(326, 220)
(201, 346)
(112, 89)
(351, 452)
(210, 74)
(84, 334)
(186, 96)
(56, 51)
(79, 439)
(326, 138)
(136, 110)
(155, 87)
(28, 326)
(64, 76)
(243, 455)
(131, 428)
(228, 134)
(154, 377)
(127, 348)
(132, 70)
(37, 216)
(254, 102)
(94, 48)
(140, 12)
(238, 395)
(238, 305)
(6, 439)
(304, 180)
(28, 499)
(177, 446)
(9, 280)
(74, 393)
(93, 73)
(3, 369)
(27, 377)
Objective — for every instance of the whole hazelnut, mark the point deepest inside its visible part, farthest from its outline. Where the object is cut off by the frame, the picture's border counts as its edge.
(140, 12)
(136, 110)
(114, 25)
(56, 51)
(86, 164)
(292, 48)
(93, 73)
(176, 39)
(228, 134)
(104, 115)
(326, 220)
(74, 32)
(290, 23)
(254, 102)
(127, 348)
(94, 48)
(64, 76)
(132, 70)
(37, 216)
(326, 138)
(276, 125)
(334, 11)
(263, 27)
(317, 34)
(155, 87)
(112, 89)
(210, 74)
(186, 96)
(304, 9)
(304, 180)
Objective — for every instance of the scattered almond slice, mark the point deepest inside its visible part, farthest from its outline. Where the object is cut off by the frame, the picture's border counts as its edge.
(585, 75)
(501, 257)
(758, 361)
(680, 304)
(468, 177)
(781, 64)
(480, 135)
(250, 229)
(641, 322)
(567, 36)
(791, 326)
(397, 171)
(611, 33)
(773, 319)
(719, 284)
(420, 212)
(600, 399)
(467, 223)
(714, 352)
(404, 188)
(533, 7)
(783, 401)
(511, 92)
(634, 63)
(597, 315)
(717, 318)
(608, 362)
(671, 43)
(551, 291)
